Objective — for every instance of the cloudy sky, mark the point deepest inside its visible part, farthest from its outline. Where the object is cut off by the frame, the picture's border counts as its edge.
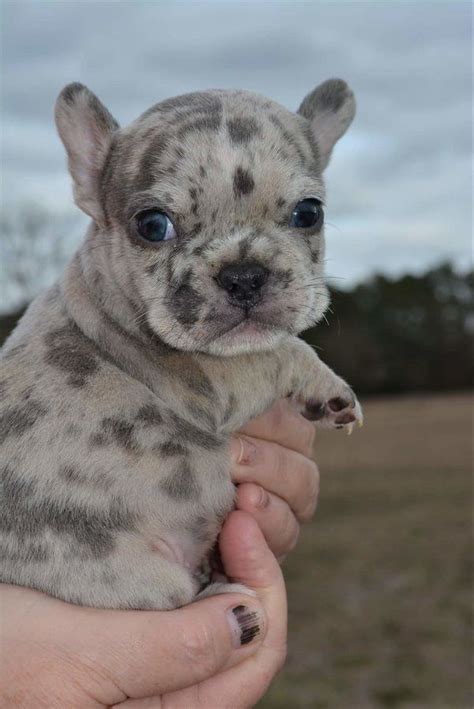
(399, 185)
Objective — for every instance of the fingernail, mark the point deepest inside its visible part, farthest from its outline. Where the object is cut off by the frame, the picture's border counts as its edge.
(244, 624)
(260, 497)
(243, 451)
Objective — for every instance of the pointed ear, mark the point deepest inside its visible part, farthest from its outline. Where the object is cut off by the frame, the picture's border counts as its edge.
(330, 108)
(86, 128)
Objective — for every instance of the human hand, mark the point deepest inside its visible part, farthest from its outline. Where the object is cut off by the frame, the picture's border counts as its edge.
(58, 655)
(278, 482)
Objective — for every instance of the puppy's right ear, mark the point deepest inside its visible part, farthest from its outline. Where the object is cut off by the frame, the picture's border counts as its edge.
(86, 128)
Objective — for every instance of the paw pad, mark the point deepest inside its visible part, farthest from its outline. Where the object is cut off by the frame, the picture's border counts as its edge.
(314, 410)
(337, 412)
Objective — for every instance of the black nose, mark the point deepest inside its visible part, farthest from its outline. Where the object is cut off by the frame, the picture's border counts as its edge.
(243, 282)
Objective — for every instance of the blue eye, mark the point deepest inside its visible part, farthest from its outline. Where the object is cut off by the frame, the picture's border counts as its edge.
(307, 213)
(153, 225)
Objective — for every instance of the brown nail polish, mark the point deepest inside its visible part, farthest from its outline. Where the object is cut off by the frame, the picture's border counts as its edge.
(248, 623)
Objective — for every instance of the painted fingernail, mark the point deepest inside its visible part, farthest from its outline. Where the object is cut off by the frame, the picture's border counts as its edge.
(243, 451)
(244, 624)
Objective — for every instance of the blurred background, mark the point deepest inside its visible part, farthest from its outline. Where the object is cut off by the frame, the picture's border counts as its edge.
(380, 584)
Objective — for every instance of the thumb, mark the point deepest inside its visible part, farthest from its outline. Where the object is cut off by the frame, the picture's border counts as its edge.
(152, 652)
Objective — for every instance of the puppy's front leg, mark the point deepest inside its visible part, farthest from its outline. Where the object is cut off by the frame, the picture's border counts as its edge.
(247, 385)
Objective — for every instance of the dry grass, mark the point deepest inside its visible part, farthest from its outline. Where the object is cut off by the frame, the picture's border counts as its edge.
(380, 585)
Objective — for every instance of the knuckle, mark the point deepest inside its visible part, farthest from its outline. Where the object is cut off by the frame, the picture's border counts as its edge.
(311, 497)
(290, 532)
(199, 648)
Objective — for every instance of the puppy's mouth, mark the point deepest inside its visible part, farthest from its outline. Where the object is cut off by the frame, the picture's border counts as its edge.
(247, 323)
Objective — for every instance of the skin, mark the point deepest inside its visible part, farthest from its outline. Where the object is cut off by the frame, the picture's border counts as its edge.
(56, 654)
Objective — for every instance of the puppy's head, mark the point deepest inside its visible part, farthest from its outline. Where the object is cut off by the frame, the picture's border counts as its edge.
(210, 208)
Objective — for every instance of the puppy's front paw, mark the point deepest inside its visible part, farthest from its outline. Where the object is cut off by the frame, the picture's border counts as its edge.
(340, 409)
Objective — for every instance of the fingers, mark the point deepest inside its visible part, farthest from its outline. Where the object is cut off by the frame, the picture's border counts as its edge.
(284, 425)
(248, 560)
(285, 473)
(106, 656)
(272, 514)
(146, 653)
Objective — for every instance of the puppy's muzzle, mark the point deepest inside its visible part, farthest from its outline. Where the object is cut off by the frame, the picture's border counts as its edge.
(243, 282)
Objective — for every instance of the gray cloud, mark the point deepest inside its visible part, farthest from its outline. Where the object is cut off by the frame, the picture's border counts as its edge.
(400, 181)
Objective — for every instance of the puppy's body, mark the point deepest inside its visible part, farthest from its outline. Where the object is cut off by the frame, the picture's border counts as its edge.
(121, 384)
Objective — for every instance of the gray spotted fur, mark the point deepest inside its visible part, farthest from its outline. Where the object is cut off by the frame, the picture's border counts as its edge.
(122, 384)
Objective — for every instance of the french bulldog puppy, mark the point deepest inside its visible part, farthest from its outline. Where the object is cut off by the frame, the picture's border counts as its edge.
(175, 323)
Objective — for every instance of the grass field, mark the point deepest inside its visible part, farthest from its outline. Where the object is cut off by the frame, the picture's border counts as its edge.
(380, 584)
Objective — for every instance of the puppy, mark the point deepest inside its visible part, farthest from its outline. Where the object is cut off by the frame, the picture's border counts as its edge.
(175, 323)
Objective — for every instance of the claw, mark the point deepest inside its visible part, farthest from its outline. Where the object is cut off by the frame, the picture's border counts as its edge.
(360, 423)
(350, 428)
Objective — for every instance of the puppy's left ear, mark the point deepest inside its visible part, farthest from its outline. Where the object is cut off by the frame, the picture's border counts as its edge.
(86, 128)
(330, 108)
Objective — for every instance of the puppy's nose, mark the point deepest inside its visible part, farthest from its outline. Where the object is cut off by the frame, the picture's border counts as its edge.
(243, 282)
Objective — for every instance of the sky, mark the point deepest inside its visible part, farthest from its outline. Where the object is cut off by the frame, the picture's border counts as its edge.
(399, 183)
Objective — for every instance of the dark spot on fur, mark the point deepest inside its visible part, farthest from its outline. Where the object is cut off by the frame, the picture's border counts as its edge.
(187, 105)
(69, 473)
(95, 479)
(189, 433)
(280, 202)
(69, 93)
(16, 420)
(185, 302)
(290, 139)
(115, 430)
(194, 230)
(329, 96)
(244, 247)
(243, 182)
(170, 449)
(229, 409)
(211, 122)
(28, 514)
(308, 132)
(199, 250)
(202, 171)
(149, 414)
(283, 277)
(199, 382)
(151, 162)
(181, 483)
(152, 268)
(70, 351)
(243, 129)
(202, 415)
(202, 529)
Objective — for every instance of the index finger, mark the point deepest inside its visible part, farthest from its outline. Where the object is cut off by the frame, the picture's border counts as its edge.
(284, 425)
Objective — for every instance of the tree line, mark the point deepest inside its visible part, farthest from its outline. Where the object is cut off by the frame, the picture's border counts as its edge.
(394, 335)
